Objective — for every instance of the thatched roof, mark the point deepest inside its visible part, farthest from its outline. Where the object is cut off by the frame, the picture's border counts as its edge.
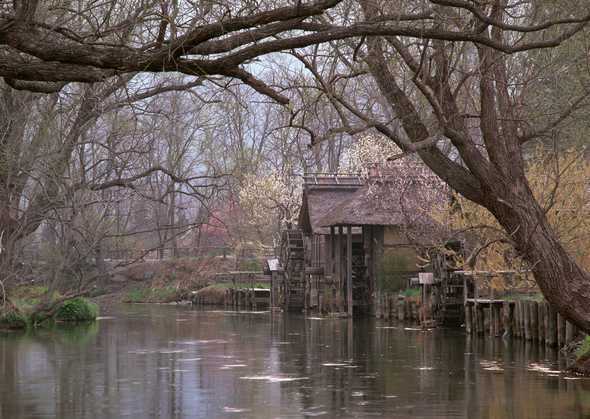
(363, 207)
(319, 201)
(404, 196)
(405, 203)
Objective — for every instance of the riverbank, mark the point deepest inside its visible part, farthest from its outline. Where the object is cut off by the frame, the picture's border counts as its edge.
(159, 281)
(32, 307)
(147, 282)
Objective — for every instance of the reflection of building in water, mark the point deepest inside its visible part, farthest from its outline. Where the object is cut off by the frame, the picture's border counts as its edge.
(170, 362)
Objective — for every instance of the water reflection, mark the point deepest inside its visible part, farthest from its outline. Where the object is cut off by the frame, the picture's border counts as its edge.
(175, 362)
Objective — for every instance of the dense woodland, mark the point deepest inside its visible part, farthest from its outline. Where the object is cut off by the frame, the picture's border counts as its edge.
(145, 127)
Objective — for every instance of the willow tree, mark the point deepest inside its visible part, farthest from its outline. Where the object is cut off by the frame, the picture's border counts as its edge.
(458, 56)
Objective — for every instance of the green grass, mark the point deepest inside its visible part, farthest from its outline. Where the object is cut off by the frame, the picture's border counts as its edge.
(525, 297)
(25, 298)
(151, 295)
(411, 292)
(226, 285)
(250, 265)
(584, 349)
(136, 295)
(76, 310)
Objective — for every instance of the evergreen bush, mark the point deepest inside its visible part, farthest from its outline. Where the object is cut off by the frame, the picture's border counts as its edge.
(77, 309)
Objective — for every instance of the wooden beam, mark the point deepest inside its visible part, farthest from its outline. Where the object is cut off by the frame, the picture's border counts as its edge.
(338, 266)
(349, 269)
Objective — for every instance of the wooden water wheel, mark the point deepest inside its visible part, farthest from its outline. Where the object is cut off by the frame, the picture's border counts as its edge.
(293, 262)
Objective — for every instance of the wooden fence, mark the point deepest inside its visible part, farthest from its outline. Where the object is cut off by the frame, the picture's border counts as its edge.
(524, 319)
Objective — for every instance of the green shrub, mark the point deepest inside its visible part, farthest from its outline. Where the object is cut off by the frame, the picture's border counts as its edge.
(584, 348)
(136, 295)
(13, 320)
(77, 309)
(250, 265)
(412, 292)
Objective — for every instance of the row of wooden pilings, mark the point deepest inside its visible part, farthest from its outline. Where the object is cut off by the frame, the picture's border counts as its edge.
(246, 298)
(525, 319)
(393, 306)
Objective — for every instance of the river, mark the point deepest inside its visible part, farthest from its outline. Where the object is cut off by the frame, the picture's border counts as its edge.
(149, 361)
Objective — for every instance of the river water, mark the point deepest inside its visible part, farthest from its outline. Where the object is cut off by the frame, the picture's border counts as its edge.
(148, 361)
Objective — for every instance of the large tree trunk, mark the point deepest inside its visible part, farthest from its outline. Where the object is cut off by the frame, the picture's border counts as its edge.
(496, 179)
(563, 282)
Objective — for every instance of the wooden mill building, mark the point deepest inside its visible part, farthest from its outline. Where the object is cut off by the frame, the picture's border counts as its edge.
(355, 240)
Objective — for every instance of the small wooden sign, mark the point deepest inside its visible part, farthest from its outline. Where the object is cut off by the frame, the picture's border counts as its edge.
(426, 278)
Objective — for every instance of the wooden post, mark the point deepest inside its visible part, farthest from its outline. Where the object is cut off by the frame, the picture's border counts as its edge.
(475, 317)
(272, 289)
(349, 269)
(541, 322)
(331, 252)
(551, 338)
(527, 320)
(516, 323)
(400, 309)
(515, 319)
(338, 266)
(329, 271)
(468, 319)
(523, 319)
(534, 312)
(376, 308)
(493, 320)
(480, 319)
(486, 320)
(560, 331)
(569, 332)
(499, 319)
(506, 323)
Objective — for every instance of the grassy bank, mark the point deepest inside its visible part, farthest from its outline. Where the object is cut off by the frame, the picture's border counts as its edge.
(77, 310)
(31, 306)
(581, 363)
(164, 294)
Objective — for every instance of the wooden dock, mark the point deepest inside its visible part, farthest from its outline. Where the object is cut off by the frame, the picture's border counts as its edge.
(247, 298)
(242, 292)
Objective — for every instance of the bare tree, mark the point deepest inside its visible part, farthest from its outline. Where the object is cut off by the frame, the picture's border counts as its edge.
(447, 48)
